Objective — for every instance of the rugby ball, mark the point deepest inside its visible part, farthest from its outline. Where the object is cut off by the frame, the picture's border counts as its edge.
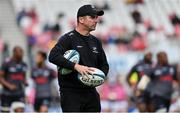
(143, 82)
(71, 55)
(95, 79)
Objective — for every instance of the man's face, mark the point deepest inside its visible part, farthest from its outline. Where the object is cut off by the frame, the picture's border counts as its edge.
(18, 53)
(162, 58)
(90, 22)
(39, 59)
(148, 57)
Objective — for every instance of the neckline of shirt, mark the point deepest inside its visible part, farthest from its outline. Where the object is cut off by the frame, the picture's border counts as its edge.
(76, 32)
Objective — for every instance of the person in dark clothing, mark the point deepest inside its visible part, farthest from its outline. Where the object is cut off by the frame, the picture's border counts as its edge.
(133, 78)
(75, 96)
(136, 15)
(42, 76)
(13, 79)
(160, 88)
(175, 20)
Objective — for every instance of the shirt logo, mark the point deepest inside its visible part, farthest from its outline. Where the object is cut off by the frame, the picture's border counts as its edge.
(79, 46)
(92, 6)
(12, 69)
(158, 72)
(71, 34)
(95, 50)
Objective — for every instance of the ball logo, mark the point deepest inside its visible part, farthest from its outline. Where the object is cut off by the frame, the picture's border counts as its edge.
(75, 60)
(92, 81)
(67, 52)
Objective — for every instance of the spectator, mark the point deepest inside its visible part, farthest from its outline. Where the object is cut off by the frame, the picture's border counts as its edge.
(174, 19)
(136, 15)
(32, 14)
(57, 29)
(21, 14)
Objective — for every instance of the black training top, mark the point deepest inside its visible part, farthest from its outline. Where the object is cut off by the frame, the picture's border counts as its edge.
(42, 77)
(91, 54)
(161, 81)
(15, 73)
(141, 68)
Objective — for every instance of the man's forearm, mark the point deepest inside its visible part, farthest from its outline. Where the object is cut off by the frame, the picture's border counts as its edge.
(5, 83)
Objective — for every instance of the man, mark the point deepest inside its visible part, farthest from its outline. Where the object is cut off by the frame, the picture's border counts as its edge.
(42, 77)
(133, 78)
(13, 79)
(75, 96)
(160, 88)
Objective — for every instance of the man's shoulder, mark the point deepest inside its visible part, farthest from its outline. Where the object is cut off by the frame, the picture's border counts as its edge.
(138, 63)
(7, 61)
(24, 63)
(69, 34)
(94, 38)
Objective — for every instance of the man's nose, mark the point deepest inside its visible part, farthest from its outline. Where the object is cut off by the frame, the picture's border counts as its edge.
(97, 20)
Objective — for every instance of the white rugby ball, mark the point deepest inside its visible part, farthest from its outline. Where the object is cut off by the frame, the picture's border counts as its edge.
(96, 79)
(71, 55)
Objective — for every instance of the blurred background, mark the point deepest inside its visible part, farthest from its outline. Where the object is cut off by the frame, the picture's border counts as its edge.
(128, 29)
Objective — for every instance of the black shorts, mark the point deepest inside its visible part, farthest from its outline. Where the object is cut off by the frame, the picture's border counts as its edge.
(158, 103)
(7, 100)
(41, 101)
(80, 101)
(144, 98)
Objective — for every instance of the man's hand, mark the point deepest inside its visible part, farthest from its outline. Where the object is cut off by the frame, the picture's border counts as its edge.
(138, 93)
(12, 87)
(6, 83)
(83, 70)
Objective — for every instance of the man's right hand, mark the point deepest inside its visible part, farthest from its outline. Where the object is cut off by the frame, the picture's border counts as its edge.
(83, 70)
(5, 83)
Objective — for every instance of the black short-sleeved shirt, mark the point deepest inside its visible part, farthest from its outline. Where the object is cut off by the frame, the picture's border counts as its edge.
(161, 81)
(91, 54)
(42, 78)
(140, 68)
(15, 73)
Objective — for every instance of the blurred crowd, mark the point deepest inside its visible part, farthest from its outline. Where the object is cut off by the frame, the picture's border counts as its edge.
(118, 93)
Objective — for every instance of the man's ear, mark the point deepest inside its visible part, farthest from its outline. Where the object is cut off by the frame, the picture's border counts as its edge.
(81, 19)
